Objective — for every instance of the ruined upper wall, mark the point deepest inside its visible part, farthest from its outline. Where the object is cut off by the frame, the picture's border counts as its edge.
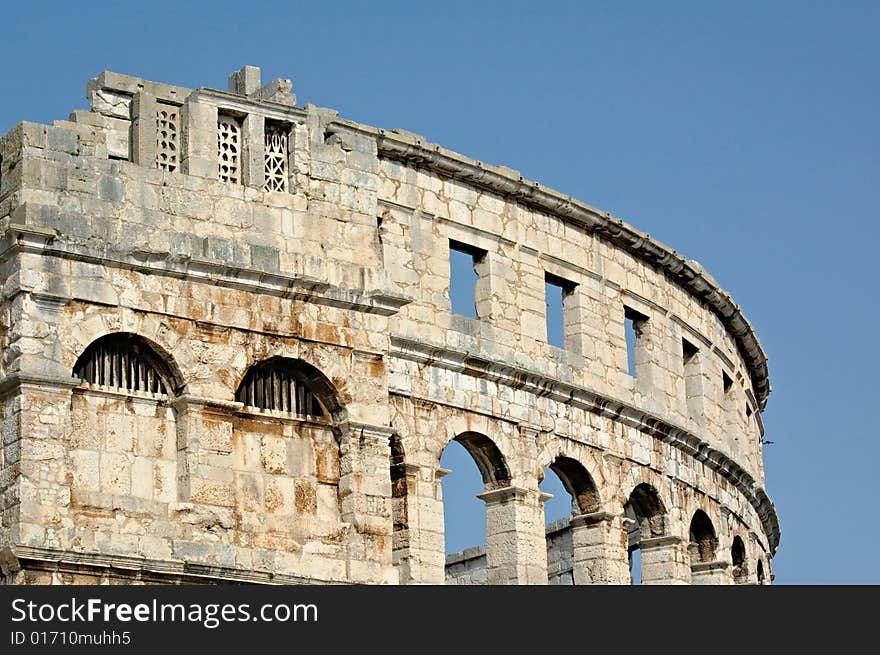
(243, 189)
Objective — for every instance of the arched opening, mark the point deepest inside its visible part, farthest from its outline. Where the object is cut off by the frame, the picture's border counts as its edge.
(286, 455)
(574, 494)
(124, 361)
(703, 541)
(647, 520)
(289, 386)
(738, 560)
(399, 507)
(760, 572)
(465, 516)
(122, 445)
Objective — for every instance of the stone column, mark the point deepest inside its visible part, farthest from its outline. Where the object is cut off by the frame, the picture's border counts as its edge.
(600, 549)
(420, 554)
(711, 573)
(665, 561)
(516, 543)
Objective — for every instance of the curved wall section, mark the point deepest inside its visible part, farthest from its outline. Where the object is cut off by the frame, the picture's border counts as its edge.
(291, 272)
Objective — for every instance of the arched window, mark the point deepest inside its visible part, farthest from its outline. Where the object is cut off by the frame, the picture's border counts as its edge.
(648, 520)
(704, 543)
(738, 560)
(760, 572)
(284, 385)
(574, 494)
(124, 361)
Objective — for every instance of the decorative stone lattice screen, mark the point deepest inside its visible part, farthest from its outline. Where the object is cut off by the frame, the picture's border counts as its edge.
(229, 149)
(276, 158)
(167, 144)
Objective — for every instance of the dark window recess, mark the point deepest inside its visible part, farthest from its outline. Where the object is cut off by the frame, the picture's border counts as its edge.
(635, 325)
(279, 386)
(688, 351)
(463, 278)
(726, 381)
(556, 293)
(748, 410)
(122, 362)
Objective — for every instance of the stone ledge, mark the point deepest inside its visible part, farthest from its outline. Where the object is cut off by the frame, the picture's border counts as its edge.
(148, 570)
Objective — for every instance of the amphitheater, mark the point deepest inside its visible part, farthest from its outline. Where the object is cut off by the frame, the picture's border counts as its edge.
(229, 355)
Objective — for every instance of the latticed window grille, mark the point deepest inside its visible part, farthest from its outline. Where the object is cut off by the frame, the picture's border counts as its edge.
(229, 149)
(121, 362)
(279, 386)
(167, 157)
(276, 158)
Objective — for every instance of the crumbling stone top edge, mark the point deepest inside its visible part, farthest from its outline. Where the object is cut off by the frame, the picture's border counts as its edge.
(130, 85)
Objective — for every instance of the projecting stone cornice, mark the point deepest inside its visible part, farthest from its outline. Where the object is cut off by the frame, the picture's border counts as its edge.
(606, 406)
(411, 149)
(296, 285)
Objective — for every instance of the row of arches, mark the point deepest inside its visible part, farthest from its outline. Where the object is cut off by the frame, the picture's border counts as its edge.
(646, 519)
(128, 362)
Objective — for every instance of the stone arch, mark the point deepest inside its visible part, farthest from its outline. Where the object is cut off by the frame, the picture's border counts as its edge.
(400, 492)
(131, 361)
(125, 415)
(578, 483)
(646, 521)
(303, 376)
(488, 457)
(306, 461)
(648, 510)
(569, 559)
(703, 545)
(739, 560)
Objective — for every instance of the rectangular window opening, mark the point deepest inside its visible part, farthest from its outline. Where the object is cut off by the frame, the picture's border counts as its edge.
(463, 277)
(692, 377)
(688, 352)
(556, 293)
(726, 381)
(634, 324)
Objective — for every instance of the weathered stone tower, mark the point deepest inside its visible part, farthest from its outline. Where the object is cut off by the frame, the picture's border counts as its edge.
(229, 355)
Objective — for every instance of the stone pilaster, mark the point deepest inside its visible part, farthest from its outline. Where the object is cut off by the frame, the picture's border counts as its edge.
(365, 492)
(419, 548)
(199, 142)
(600, 549)
(516, 546)
(204, 450)
(41, 421)
(711, 573)
(665, 561)
(253, 156)
(143, 129)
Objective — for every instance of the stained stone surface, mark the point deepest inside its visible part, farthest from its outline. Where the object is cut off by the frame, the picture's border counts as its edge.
(191, 235)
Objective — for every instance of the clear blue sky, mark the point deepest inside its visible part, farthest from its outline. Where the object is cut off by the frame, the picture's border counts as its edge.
(744, 135)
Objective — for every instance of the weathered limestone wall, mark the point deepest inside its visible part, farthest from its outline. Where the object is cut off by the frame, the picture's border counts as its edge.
(226, 229)
(469, 566)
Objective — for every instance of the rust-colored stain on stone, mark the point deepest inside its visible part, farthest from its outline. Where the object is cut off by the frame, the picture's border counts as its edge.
(306, 498)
